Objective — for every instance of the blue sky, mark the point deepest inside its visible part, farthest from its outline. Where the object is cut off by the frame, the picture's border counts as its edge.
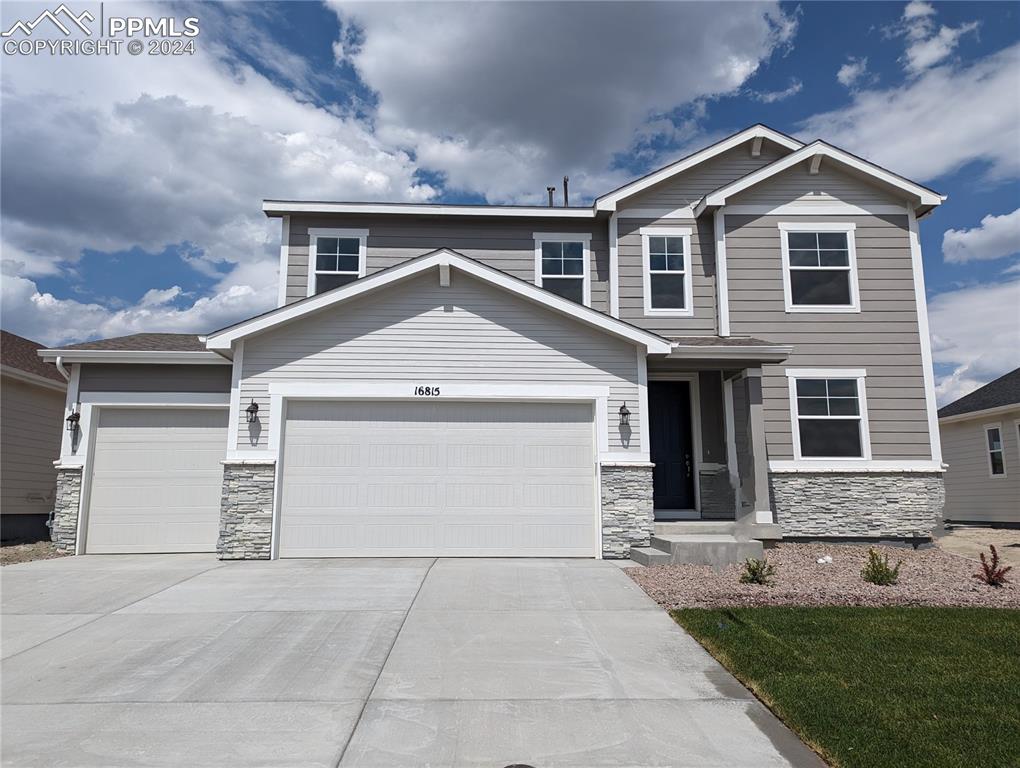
(131, 186)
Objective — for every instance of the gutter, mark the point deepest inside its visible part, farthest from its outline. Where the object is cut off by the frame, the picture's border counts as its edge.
(195, 357)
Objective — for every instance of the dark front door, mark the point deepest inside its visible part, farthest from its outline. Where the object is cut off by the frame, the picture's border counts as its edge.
(669, 404)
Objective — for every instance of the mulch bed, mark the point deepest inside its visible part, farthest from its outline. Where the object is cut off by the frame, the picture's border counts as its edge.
(928, 577)
(24, 553)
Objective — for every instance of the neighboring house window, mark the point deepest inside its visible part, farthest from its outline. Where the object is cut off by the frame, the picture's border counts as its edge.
(819, 267)
(996, 456)
(337, 257)
(561, 265)
(830, 414)
(666, 264)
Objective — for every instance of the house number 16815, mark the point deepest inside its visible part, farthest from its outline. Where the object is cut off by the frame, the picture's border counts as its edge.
(426, 391)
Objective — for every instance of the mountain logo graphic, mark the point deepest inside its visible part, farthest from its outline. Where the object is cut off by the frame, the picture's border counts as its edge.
(54, 16)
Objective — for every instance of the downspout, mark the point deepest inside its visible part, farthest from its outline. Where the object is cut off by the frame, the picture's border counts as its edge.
(59, 362)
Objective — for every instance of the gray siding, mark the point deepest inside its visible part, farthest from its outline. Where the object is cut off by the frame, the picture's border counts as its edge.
(883, 338)
(972, 495)
(154, 378)
(504, 243)
(29, 444)
(687, 188)
(632, 302)
(420, 333)
(829, 185)
(713, 427)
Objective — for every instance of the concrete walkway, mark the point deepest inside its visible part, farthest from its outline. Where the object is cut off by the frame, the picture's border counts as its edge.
(184, 660)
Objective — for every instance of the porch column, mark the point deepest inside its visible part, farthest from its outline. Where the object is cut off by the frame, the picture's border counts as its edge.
(759, 510)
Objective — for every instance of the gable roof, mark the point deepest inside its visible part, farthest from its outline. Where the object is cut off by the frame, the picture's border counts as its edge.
(137, 348)
(920, 195)
(1001, 393)
(149, 342)
(608, 201)
(224, 338)
(21, 354)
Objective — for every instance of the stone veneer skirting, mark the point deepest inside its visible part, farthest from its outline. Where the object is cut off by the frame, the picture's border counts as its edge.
(246, 512)
(857, 505)
(64, 528)
(627, 512)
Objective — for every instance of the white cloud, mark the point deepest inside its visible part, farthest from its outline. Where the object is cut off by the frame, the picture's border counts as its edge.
(852, 72)
(976, 331)
(936, 123)
(1012, 269)
(996, 238)
(770, 97)
(154, 297)
(927, 44)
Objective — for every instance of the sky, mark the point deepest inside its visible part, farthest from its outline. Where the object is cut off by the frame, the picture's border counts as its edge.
(131, 186)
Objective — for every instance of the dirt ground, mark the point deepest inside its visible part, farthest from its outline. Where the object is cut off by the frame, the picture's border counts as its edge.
(970, 541)
(23, 553)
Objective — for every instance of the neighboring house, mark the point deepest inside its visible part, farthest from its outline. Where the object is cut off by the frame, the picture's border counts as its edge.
(31, 412)
(981, 447)
(738, 341)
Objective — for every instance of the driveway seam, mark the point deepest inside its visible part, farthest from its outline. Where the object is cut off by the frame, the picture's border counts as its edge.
(396, 635)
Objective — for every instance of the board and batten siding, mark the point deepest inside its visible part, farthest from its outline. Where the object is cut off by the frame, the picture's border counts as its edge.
(421, 333)
(33, 420)
(135, 377)
(972, 494)
(882, 338)
(505, 243)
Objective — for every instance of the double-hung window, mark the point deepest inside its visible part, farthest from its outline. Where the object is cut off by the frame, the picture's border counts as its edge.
(336, 257)
(666, 263)
(996, 453)
(819, 267)
(830, 414)
(561, 265)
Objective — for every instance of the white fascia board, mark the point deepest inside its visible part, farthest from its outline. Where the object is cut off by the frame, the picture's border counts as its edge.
(609, 202)
(922, 196)
(285, 207)
(133, 356)
(33, 378)
(982, 414)
(654, 344)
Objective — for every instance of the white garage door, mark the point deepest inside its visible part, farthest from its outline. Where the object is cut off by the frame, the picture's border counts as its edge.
(453, 479)
(156, 480)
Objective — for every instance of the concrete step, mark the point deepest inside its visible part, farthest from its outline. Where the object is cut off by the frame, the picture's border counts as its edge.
(649, 556)
(696, 526)
(715, 549)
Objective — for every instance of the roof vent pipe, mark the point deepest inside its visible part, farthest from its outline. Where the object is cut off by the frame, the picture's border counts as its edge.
(551, 191)
(566, 191)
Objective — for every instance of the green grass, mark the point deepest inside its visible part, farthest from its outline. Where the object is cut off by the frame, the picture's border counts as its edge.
(875, 687)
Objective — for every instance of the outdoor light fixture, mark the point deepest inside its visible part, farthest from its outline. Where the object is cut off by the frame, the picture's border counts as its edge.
(72, 422)
(624, 415)
(253, 412)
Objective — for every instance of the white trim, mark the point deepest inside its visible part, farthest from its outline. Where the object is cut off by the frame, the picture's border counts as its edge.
(608, 202)
(614, 266)
(921, 195)
(854, 465)
(999, 409)
(156, 399)
(810, 208)
(684, 233)
(693, 380)
(722, 285)
(67, 452)
(314, 233)
(234, 420)
(988, 450)
(643, 420)
(927, 364)
(730, 425)
(653, 343)
(281, 207)
(284, 260)
(771, 353)
(685, 212)
(584, 239)
(197, 357)
(33, 378)
(854, 307)
(793, 375)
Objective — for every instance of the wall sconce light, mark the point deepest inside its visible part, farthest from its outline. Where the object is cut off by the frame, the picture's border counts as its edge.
(252, 412)
(624, 415)
(72, 421)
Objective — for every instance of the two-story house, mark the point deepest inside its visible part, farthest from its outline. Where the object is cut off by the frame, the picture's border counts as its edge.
(736, 344)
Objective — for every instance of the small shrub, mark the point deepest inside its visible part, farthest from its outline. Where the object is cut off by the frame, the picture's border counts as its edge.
(757, 571)
(877, 570)
(991, 573)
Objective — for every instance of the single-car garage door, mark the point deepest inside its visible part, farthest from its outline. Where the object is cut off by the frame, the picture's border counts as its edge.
(156, 480)
(438, 478)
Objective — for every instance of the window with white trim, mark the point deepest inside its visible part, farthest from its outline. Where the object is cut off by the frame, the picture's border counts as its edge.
(830, 415)
(819, 267)
(337, 257)
(666, 263)
(996, 454)
(561, 265)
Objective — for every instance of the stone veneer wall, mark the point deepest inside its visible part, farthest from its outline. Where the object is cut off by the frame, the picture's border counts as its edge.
(858, 505)
(246, 512)
(718, 500)
(64, 529)
(627, 513)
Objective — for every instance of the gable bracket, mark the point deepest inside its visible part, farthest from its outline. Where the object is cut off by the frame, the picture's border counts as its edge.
(756, 146)
(816, 163)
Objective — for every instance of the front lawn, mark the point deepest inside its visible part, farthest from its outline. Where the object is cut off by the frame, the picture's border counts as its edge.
(875, 687)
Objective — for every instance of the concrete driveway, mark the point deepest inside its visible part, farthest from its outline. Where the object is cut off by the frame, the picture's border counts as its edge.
(183, 660)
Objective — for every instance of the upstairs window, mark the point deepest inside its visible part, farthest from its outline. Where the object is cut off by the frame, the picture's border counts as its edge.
(561, 265)
(996, 455)
(666, 257)
(337, 257)
(819, 267)
(830, 415)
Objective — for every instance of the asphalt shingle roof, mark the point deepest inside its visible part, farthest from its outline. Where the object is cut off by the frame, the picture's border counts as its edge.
(1005, 390)
(145, 342)
(19, 352)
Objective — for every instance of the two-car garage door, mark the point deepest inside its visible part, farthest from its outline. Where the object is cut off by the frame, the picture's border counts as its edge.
(438, 478)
